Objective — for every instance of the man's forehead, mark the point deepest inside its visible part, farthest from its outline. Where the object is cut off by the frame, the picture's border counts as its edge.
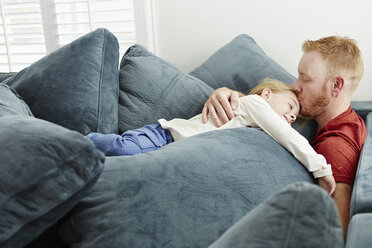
(311, 63)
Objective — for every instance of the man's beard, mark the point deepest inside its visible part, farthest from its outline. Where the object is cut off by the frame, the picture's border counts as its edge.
(316, 105)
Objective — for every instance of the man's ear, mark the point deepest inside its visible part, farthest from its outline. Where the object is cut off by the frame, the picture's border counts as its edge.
(337, 85)
(266, 94)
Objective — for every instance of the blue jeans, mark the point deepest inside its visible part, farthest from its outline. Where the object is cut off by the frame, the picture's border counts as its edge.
(141, 140)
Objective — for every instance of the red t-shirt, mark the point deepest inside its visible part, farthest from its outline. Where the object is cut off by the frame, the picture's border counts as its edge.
(340, 142)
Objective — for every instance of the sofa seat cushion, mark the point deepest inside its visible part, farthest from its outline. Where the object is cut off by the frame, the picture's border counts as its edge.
(361, 200)
(184, 195)
(11, 103)
(45, 170)
(151, 88)
(359, 234)
(75, 86)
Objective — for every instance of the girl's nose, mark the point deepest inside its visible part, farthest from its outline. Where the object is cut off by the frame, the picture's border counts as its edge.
(293, 117)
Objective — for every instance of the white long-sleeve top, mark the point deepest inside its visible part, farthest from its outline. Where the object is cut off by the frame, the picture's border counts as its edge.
(254, 111)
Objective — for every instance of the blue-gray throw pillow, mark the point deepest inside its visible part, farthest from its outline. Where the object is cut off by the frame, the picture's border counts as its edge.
(76, 86)
(11, 103)
(151, 88)
(5, 75)
(187, 194)
(240, 65)
(301, 215)
(45, 171)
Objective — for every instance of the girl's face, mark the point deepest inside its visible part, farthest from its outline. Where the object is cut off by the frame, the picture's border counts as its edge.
(284, 103)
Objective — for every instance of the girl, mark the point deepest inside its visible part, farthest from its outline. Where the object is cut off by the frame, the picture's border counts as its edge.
(271, 106)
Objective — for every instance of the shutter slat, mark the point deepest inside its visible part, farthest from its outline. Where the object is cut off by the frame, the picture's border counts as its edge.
(24, 38)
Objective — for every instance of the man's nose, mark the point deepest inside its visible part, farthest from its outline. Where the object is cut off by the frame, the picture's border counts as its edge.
(296, 86)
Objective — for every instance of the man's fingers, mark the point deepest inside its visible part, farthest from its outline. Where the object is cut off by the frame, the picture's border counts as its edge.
(205, 114)
(224, 110)
(213, 115)
(220, 106)
(333, 189)
(234, 100)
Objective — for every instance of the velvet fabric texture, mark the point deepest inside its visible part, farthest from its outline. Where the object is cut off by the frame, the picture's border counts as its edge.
(184, 195)
(361, 200)
(45, 171)
(5, 75)
(287, 220)
(11, 103)
(359, 233)
(76, 86)
(151, 88)
(240, 65)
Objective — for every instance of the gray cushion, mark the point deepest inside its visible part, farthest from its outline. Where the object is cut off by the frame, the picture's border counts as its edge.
(240, 65)
(184, 195)
(151, 88)
(76, 86)
(11, 103)
(45, 170)
(359, 233)
(301, 215)
(5, 75)
(361, 200)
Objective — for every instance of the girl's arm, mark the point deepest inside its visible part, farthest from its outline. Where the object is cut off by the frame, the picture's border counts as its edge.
(255, 108)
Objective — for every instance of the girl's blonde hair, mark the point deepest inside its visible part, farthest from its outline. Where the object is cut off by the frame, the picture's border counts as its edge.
(274, 85)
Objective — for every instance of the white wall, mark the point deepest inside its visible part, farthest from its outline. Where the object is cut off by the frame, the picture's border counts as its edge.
(188, 31)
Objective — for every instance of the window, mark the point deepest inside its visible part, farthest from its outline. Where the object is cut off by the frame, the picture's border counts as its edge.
(30, 29)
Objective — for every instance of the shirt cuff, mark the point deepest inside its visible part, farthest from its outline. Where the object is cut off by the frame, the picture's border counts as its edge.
(323, 172)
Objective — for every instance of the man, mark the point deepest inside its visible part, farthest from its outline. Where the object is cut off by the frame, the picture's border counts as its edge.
(328, 74)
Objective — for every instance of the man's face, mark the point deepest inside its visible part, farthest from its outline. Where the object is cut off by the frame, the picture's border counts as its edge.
(312, 86)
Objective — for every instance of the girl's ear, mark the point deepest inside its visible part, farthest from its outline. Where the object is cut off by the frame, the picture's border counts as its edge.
(266, 94)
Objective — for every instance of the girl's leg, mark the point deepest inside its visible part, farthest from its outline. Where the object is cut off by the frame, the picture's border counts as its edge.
(145, 139)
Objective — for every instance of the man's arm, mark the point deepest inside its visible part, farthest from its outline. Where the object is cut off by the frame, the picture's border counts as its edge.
(342, 200)
(344, 160)
(220, 106)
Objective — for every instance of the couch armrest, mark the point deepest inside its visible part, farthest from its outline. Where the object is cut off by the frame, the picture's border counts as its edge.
(359, 234)
(362, 108)
(361, 200)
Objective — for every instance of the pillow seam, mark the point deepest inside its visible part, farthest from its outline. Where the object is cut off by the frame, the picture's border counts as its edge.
(208, 73)
(163, 96)
(100, 81)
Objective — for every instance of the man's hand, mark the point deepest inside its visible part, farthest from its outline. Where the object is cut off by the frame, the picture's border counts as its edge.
(328, 183)
(220, 106)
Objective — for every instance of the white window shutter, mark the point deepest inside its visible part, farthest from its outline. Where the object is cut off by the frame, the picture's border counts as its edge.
(75, 18)
(30, 29)
(21, 34)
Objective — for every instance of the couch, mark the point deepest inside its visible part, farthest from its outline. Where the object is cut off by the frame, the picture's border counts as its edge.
(225, 188)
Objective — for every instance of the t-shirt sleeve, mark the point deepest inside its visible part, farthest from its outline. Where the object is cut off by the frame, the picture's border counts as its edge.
(342, 157)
